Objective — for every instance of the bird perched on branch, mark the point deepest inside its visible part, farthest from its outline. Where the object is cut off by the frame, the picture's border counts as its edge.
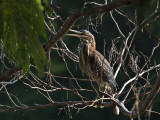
(94, 64)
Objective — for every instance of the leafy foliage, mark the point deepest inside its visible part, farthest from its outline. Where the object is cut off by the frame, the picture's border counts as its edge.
(21, 25)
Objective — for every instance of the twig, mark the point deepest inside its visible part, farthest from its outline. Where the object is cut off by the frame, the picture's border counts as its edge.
(122, 53)
(139, 75)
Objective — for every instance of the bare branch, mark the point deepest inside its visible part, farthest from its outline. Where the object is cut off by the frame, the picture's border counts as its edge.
(84, 12)
(122, 53)
(37, 106)
(134, 78)
(70, 21)
(138, 69)
(9, 73)
(146, 102)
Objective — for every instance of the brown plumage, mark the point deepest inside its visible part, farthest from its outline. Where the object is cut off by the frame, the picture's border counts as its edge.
(93, 63)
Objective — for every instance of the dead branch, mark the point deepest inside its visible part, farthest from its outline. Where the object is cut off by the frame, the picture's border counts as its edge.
(75, 15)
(146, 102)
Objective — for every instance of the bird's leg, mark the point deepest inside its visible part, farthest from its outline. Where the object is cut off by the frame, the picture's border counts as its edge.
(115, 107)
(105, 89)
(101, 106)
(98, 104)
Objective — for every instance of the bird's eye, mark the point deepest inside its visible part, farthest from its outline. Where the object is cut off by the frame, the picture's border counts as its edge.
(83, 33)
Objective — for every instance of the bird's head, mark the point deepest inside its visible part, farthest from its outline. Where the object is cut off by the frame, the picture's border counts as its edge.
(85, 35)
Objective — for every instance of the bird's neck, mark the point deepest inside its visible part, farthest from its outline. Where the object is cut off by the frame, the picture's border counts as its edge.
(86, 52)
(88, 49)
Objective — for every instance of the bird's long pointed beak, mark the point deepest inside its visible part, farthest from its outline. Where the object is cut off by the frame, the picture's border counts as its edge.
(77, 33)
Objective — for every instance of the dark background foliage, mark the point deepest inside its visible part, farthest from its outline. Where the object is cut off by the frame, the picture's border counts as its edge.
(104, 31)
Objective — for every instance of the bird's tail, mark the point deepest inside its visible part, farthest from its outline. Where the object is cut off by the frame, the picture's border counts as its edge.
(116, 109)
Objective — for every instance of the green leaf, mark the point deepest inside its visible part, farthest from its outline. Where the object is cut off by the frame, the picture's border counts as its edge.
(22, 23)
(1, 23)
(39, 3)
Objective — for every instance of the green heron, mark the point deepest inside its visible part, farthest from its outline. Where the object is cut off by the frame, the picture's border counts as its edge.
(94, 64)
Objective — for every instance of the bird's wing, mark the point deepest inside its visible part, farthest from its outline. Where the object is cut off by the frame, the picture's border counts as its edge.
(104, 68)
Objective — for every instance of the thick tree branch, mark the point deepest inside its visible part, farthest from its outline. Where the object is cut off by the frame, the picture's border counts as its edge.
(84, 12)
(8, 73)
(37, 106)
(75, 15)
